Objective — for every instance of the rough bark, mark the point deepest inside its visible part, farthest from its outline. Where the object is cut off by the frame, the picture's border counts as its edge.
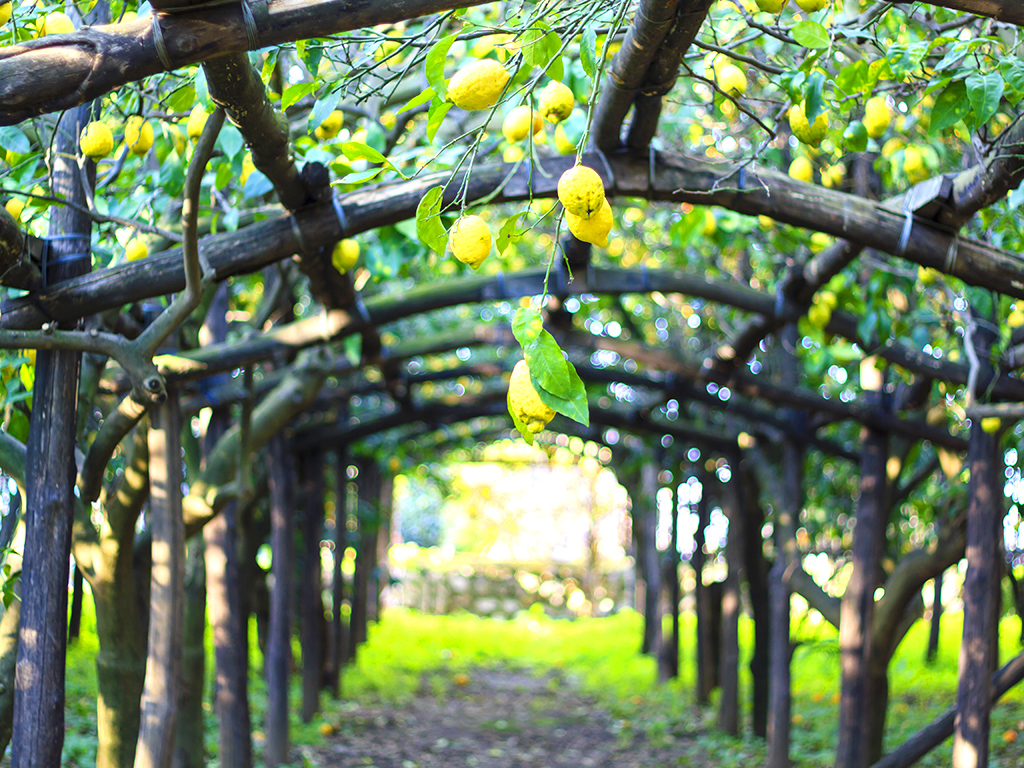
(729, 703)
(8, 659)
(50, 478)
(338, 654)
(705, 667)
(160, 696)
(278, 658)
(648, 502)
(756, 567)
(188, 735)
(935, 624)
(857, 700)
(311, 602)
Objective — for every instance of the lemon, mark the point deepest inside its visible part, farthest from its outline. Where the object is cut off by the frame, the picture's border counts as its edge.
(15, 206)
(731, 80)
(55, 24)
(513, 154)
(325, 729)
(765, 222)
(345, 255)
(525, 402)
(520, 123)
(913, 164)
(710, 223)
(581, 192)
(810, 6)
(556, 102)
(819, 315)
(771, 6)
(1015, 319)
(136, 249)
(801, 170)
(5, 12)
(331, 126)
(856, 136)
(470, 240)
(196, 122)
(819, 242)
(802, 127)
(927, 275)
(563, 143)
(138, 135)
(96, 140)
(833, 175)
(877, 116)
(248, 166)
(478, 85)
(991, 424)
(595, 229)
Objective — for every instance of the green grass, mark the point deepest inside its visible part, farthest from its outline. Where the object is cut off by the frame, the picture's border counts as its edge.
(407, 651)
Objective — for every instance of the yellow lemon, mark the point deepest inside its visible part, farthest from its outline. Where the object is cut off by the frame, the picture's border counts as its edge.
(771, 6)
(345, 254)
(470, 240)
(1009, 736)
(833, 175)
(196, 122)
(891, 147)
(991, 424)
(15, 206)
(810, 6)
(136, 249)
(801, 170)
(802, 127)
(520, 123)
(1014, 320)
(710, 223)
(513, 154)
(595, 229)
(581, 192)
(478, 85)
(5, 12)
(138, 135)
(563, 143)
(325, 729)
(55, 24)
(877, 116)
(731, 80)
(331, 126)
(819, 242)
(765, 222)
(524, 401)
(461, 679)
(913, 164)
(248, 166)
(96, 140)
(819, 314)
(556, 102)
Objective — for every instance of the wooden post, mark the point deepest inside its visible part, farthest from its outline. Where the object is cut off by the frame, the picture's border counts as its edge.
(652, 566)
(670, 654)
(278, 659)
(188, 736)
(936, 621)
(38, 734)
(339, 628)
(729, 703)
(756, 570)
(858, 603)
(167, 584)
(984, 518)
(311, 599)
(75, 621)
(705, 667)
(366, 514)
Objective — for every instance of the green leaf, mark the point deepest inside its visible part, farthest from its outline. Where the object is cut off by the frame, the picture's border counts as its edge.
(311, 53)
(588, 52)
(811, 34)
(416, 101)
(268, 66)
(356, 150)
(547, 364)
(256, 185)
(13, 140)
(435, 116)
(1012, 71)
(540, 45)
(183, 99)
(428, 221)
(322, 108)
(230, 141)
(556, 69)
(295, 92)
(984, 92)
(853, 77)
(527, 325)
(814, 101)
(527, 434)
(436, 57)
(575, 406)
(508, 233)
(951, 106)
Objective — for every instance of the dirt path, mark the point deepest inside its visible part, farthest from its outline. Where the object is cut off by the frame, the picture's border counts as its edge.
(496, 718)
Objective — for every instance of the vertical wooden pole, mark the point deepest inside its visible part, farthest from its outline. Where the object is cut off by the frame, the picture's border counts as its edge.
(984, 518)
(729, 703)
(189, 734)
(339, 633)
(167, 584)
(311, 594)
(278, 657)
(756, 571)
(75, 621)
(368, 485)
(50, 481)
(705, 667)
(652, 566)
(671, 651)
(936, 620)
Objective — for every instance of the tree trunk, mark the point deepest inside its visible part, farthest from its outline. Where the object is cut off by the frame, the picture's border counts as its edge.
(756, 568)
(878, 684)
(160, 697)
(857, 610)
(984, 518)
(366, 514)
(8, 659)
(652, 567)
(380, 557)
(669, 662)
(278, 658)
(339, 628)
(705, 669)
(188, 739)
(936, 621)
(311, 596)
(75, 621)
(38, 734)
(729, 703)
